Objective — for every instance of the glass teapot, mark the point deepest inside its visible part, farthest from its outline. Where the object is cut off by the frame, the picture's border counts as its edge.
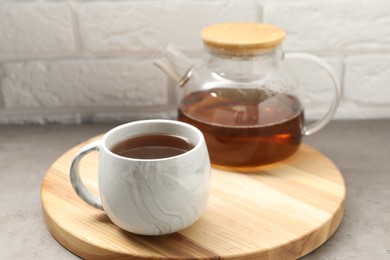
(240, 96)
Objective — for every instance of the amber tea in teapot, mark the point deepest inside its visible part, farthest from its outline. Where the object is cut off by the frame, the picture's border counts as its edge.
(248, 107)
(238, 133)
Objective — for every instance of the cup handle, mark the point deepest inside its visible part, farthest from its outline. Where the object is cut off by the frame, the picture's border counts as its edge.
(318, 125)
(76, 181)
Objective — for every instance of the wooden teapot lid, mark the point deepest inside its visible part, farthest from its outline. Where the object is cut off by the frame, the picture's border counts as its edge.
(242, 37)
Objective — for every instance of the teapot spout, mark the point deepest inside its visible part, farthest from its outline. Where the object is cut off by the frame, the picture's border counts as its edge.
(175, 64)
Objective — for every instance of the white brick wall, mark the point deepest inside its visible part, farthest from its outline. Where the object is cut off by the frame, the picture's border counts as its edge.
(34, 27)
(145, 26)
(83, 83)
(79, 61)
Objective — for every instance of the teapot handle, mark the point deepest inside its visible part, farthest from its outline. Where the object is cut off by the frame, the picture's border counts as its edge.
(318, 125)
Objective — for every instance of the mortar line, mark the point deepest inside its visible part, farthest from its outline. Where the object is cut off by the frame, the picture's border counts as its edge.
(2, 99)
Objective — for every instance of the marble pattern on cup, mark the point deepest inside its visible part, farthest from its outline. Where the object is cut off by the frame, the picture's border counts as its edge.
(163, 196)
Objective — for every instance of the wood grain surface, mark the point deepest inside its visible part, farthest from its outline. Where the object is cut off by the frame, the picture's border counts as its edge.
(282, 211)
(242, 37)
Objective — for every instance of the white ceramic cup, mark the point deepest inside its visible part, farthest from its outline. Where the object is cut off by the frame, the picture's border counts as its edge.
(149, 196)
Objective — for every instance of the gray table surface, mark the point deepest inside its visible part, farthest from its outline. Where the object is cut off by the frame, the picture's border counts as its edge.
(361, 150)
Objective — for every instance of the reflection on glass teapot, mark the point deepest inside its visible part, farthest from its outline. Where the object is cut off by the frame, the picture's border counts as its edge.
(240, 96)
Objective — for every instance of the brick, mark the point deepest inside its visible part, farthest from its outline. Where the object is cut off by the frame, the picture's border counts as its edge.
(83, 83)
(106, 117)
(143, 26)
(353, 110)
(367, 79)
(332, 26)
(35, 27)
(39, 119)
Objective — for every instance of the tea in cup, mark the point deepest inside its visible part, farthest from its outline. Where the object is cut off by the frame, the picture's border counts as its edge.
(154, 176)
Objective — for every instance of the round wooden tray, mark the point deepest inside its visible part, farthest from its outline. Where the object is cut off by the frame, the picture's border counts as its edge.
(283, 211)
